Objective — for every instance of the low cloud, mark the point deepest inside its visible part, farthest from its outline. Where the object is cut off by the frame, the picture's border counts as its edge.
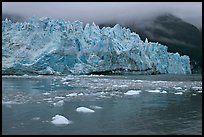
(101, 12)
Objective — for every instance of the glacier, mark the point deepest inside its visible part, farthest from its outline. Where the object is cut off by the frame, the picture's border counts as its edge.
(56, 47)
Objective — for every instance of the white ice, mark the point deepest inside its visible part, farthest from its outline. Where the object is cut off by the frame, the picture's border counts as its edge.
(163, 91)
(59, 103)
(178, 93)
(35, 118)
(46, 93)
(154, 91)
(47, 99)
(177, 88)
(65, 83)
(59, 97)
(49, 46)
(71, 95)
(197, 88)
(80, 94)
(60, 120)
(133, 92)
(10, 102)
(95, 107)
(138, 80)
(84, 110)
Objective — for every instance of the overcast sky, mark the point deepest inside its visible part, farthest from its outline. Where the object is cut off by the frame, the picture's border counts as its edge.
(100, 12)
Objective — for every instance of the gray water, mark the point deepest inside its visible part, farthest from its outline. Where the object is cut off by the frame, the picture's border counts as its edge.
(27, 104)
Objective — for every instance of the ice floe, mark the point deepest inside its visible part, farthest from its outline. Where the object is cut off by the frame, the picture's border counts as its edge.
(10, 102)
(80, 94)
(177, 88)
(71, 95)
(59, 103)
(154, 91)
(65, 83)
(197, 88)
(121, 86)
(84, 110)
(163, 91)
(95, 107)
(59, 97)
(47, 99)
(60, 120)
(35, 118)
(200, 91)
(46, 93)
(132, 92)
(156, 82)
(138, 80)
(178, 93)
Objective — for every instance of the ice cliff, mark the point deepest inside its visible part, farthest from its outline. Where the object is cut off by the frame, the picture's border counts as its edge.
(48, 46)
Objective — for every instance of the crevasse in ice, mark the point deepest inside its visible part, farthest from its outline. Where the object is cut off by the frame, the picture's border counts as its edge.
(48, 46)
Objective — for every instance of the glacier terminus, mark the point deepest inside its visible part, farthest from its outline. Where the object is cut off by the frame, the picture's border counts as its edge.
(47, 46)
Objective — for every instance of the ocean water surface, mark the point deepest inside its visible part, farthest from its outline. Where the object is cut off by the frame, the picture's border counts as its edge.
(120, 104)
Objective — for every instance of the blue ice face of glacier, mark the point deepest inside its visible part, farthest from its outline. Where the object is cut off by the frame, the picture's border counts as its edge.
(47, 46)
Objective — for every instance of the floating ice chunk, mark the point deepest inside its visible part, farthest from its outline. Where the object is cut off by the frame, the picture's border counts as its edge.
(59, 97)
(95, 107)
(102, 96)
(65, 83)
(10, 102)
(177, 88)
(200, 91)
(163, 91)
(46, 93)
(63, 79)
(154, 91)
(60, 120)
(178, 93)
(155, 82)
(84, 110)
(133, 92)
(46, 99)
(59, 103)
(120, 86)
(138, 80)
(80, 94)
(197, 88)
(35, 118)
(112, 94)
(71, 95)
(193, 94)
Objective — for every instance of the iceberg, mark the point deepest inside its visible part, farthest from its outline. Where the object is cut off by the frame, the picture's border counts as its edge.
(132, 92)
(154, 91)
(95, 107)
(178, 93)
(60, 120)
(56, 47)
(59, 103)
(84, 110)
